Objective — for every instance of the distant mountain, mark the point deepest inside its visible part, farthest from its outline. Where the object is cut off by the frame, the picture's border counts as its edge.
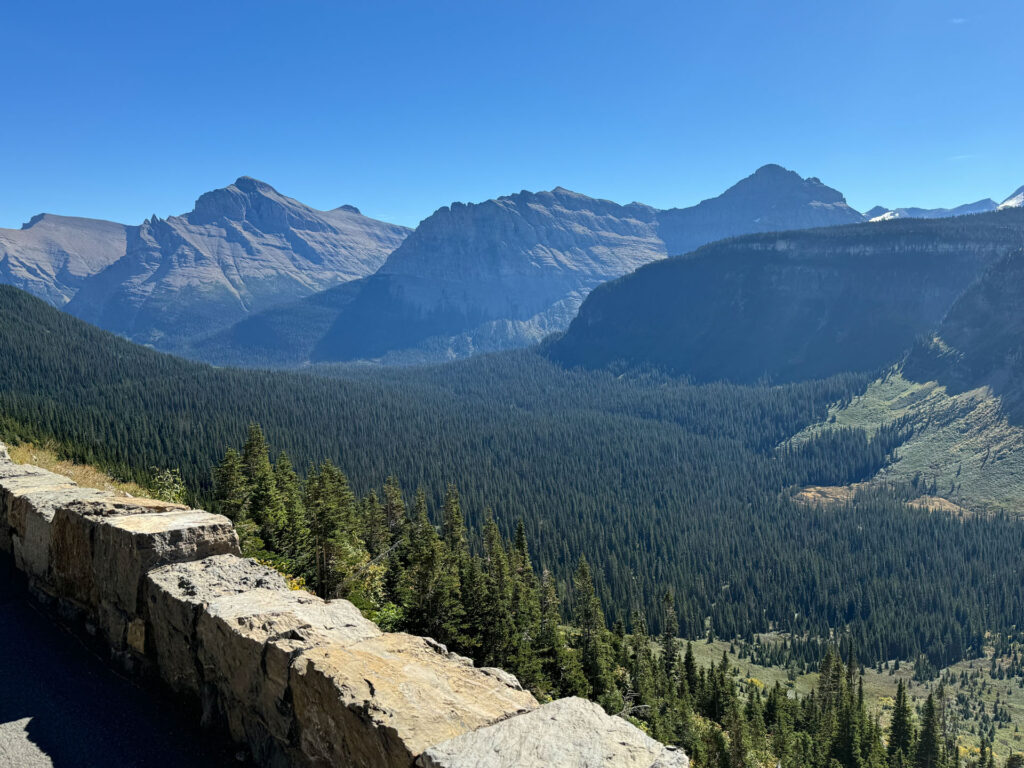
(878, 213)
(507, 272)
(789, 306)
(1016, 200)
(771, 200)
(981, 339)
(242, 249)
(52, 256)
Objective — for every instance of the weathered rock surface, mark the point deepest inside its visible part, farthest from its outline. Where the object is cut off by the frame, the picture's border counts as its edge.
(175, 596)
(568, 733)
(99, 561)
(380, 703)
(246, 643)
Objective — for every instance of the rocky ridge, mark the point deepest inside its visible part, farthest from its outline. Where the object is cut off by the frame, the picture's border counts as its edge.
(295, 679)
(242, 249)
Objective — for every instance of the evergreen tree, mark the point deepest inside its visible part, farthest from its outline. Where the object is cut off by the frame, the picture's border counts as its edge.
(588, 619)
(295, 534)
(231, 498)
(928, 752)
(669, 641)
(265, 506)
(901, 728)
(499, 631)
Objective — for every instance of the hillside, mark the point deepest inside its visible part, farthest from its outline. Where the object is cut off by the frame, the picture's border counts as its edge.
(507, 272)
(52, 256)
(958, 400)
(791, 306)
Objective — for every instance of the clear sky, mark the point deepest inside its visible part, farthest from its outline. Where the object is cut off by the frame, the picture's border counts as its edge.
(120, 111)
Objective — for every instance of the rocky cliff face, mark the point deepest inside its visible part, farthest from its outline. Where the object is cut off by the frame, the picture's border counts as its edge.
(294, 679)
(980, 342)
(242, 249)
(791, 306)
(507, 272)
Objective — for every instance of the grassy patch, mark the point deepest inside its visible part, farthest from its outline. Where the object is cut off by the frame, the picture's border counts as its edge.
(971, 681)
(962, 450)
(85, 475)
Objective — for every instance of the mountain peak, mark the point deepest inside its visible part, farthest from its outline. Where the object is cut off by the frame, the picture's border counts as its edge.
(1016, 200)
(773, 179)
(248, 199)
(249, 185)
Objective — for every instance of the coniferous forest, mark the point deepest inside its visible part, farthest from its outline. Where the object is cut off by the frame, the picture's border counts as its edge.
(491, 603)
(566, 525)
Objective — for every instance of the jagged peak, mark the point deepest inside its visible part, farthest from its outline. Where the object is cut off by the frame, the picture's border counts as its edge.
(35, 220)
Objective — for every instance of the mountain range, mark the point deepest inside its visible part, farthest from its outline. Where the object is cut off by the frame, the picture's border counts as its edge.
(242, 249)
(252, 277)
(508, 272)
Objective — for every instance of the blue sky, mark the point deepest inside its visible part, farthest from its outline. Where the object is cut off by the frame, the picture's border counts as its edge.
(120, 111)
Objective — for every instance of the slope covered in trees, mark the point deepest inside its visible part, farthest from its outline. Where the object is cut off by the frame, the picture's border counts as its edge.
(789, 306)
(661, 485)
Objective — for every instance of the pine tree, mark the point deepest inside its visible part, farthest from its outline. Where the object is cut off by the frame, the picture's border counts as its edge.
(690, 669)
(264, 505)
(295, 534)
(669, 643)
(526, 662)
(928, 753)
(901, 728)
(231, 494)
(588, 619)
(499, 632)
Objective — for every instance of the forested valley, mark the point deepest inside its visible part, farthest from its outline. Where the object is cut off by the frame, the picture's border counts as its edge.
(563, 518)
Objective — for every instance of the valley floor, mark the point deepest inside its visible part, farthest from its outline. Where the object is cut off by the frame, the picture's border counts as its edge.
(978, 694)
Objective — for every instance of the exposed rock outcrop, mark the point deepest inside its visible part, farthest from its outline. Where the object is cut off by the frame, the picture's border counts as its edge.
(297, 680)
(569, 733)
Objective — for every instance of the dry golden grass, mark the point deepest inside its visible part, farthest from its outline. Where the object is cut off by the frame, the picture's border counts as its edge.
(83, 474)
(827, 495)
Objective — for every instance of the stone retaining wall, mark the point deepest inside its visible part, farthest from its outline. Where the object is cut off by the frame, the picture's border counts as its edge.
(297, 680)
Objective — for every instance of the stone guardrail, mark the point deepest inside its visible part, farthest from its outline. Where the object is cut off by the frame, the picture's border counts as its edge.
(297, 680)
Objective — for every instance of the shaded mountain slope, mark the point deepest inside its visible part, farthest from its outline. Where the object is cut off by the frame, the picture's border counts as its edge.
(791, 306)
